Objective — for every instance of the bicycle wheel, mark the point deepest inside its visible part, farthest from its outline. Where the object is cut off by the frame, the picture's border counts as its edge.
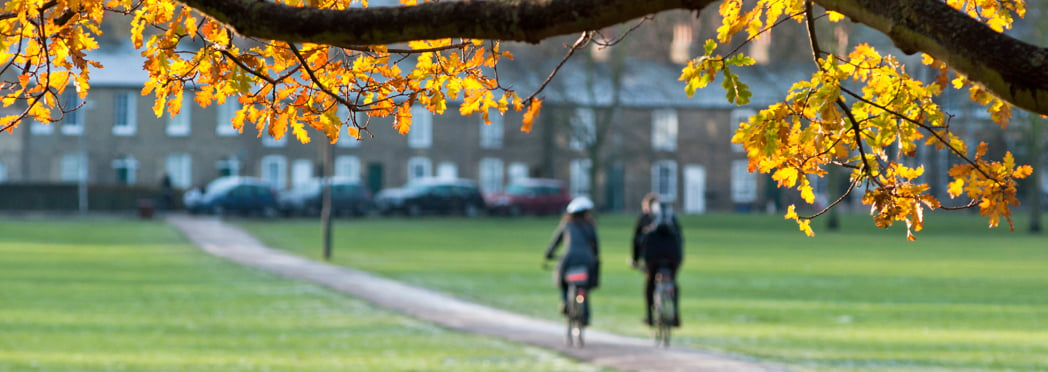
(576, 316)
(570, 313)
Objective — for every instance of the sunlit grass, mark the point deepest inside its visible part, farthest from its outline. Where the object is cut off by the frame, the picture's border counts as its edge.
(121, 295)
(962, 297)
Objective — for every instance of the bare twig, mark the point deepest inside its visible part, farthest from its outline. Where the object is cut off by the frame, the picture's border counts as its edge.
(583, 39)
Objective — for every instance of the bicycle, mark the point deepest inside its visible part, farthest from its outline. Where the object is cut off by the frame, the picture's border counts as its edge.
(577, 278)
(663, 309)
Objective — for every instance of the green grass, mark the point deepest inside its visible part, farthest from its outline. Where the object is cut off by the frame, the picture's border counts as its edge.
(962, 297)
(121, 295)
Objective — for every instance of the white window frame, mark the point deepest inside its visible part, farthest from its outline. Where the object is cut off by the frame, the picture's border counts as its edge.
(231, 163)
(666, 187)
(737, 117)
(447, 170)
(129, 163)
(275, 177)
(419, 163)
(517, 171)
(580, 177)
(72, 121)
(125, 113)
(3, 172)
(664, 127)
(180, 124)
(743, 183)
(421, 134)
(179, 167)
(583, 128)
(347, 166)
(344, 139)
(71, 167)
(491, 135)
(490, 173)
(41, 128)
(301, 172)
(224, 117)
(269, 141)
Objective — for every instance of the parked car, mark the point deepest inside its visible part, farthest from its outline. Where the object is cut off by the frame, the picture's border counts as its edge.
(348, 197)
(234, 194)
(432, 195)
(530, 196)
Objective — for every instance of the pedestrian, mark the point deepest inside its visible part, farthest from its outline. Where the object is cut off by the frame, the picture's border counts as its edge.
(659, 242)
(167, 193)
(578, 232)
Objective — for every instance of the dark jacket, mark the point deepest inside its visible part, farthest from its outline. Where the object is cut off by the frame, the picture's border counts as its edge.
(663, 248)
(583, 249)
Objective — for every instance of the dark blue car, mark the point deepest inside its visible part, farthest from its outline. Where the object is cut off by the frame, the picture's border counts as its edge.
(237, 195)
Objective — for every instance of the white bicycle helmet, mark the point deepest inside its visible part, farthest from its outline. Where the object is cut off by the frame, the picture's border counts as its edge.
(579, 204)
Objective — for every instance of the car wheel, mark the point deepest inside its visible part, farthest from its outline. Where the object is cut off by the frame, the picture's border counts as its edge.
(515, 211)
(414, 210)
(269, 212)
(472, 210)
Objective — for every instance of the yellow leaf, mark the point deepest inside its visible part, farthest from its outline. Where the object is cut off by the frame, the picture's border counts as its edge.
(531, 114)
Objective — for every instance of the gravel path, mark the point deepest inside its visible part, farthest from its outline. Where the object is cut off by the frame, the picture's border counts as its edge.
(603, 349)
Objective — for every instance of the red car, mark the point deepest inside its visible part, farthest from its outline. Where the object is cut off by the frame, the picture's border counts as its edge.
(530, 196)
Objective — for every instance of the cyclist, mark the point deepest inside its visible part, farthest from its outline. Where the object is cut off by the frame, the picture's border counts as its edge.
(659, 242)
(578, 232)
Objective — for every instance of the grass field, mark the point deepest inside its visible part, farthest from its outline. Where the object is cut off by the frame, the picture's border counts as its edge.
(105, 294)
(960, 298)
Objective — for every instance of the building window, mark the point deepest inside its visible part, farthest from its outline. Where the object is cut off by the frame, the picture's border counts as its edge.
(269, 141)
(301, 172)
(737, 117)
(179, 167)
(124, 111)
(491, 134)
(3, 172)
(273, 170)
(447, 170)
(743, 183)
(347, 166)
(70, 170)
(125, 168)
(344, 139)
(517, 171)
(760, 48)
(40, 128)
(664, 130)
(229, 166)
(664, 180)
(419, 167)
(580, 177)
(226, 112)
(583, 129)
(421, 134)
(178, 125)
(72, 121)
(680, 47)
(491, 175)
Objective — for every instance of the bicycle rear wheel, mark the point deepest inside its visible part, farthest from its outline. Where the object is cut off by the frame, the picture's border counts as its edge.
(576, 317)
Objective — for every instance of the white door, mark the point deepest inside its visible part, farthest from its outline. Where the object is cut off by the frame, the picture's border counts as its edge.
(694, 189)
(301, 172)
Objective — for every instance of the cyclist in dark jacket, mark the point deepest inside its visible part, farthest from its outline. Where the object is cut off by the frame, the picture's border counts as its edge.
(659, 242)
(578, 232)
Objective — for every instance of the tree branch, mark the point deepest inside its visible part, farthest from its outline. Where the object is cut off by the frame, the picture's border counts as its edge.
(1013, 70)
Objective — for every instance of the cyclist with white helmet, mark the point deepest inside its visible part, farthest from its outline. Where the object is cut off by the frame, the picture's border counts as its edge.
(578, 232)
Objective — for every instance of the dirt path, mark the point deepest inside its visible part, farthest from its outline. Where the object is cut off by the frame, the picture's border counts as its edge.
(603, 349)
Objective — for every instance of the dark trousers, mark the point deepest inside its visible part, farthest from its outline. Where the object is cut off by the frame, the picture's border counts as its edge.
(649, 290)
